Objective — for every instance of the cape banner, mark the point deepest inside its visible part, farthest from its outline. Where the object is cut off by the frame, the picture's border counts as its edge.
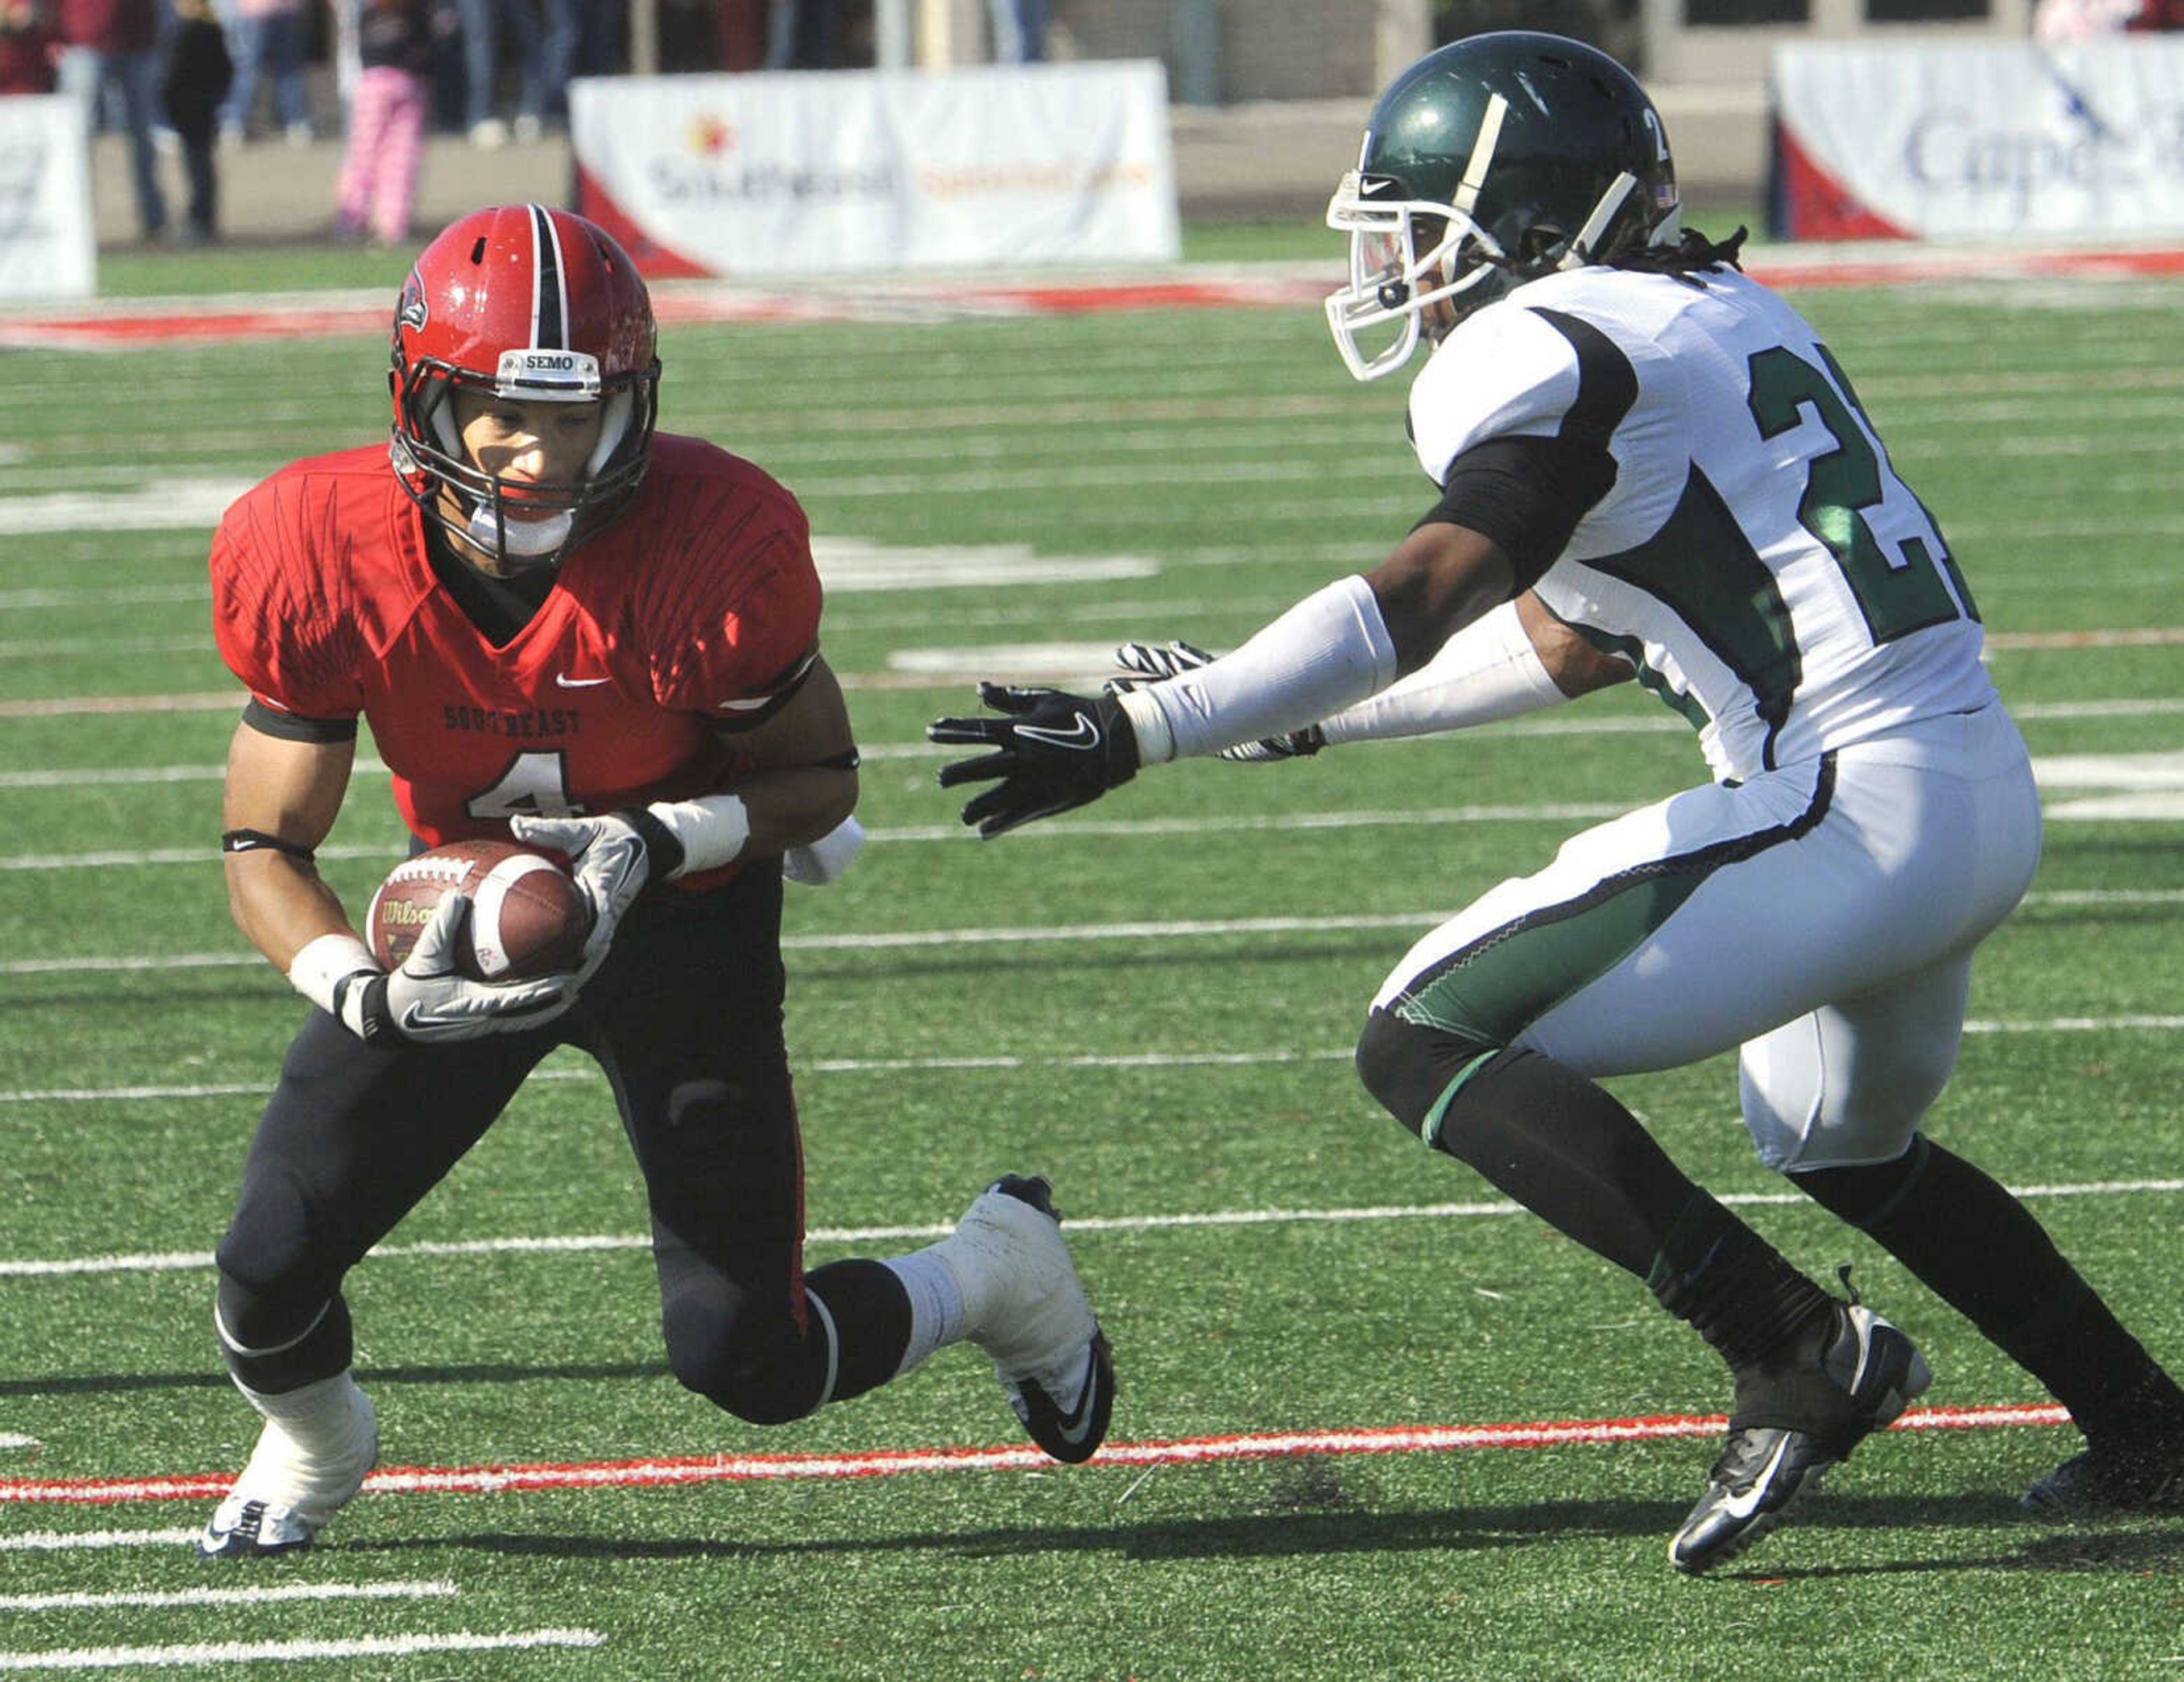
(1941, 141)
(812, 172)
(49, 248)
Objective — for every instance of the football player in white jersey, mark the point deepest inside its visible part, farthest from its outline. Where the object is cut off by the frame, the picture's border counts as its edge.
(1651, 467)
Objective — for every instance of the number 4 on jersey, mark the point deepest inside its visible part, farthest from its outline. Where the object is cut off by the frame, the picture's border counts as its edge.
(534, 785)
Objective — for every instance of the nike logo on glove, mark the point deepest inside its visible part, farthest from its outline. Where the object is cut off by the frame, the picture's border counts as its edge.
(1082, 734)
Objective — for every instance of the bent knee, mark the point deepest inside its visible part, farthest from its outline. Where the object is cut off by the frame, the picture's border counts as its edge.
(1409, 1068)
(765, 1377)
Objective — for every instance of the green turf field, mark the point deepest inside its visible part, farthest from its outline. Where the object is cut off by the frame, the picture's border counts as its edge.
(1152, 1002)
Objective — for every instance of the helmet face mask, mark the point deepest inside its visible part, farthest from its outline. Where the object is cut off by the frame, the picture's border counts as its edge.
(1413, 268)
(1494, 161)
(530, 306)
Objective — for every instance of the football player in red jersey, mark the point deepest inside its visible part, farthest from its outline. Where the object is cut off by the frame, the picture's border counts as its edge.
(563, 627)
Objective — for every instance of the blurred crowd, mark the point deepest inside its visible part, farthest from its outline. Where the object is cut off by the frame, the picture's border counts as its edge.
(190, 78)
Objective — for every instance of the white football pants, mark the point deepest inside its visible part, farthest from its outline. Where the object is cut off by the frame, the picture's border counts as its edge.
(1822, 916)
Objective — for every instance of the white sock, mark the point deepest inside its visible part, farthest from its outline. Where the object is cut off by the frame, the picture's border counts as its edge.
(313, 1414)
(316, 1446)
(937, 1314)
(318, 1418)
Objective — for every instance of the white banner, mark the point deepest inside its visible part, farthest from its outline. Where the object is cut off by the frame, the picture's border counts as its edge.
(49, 248)
(1008, 166)
(1941, 141)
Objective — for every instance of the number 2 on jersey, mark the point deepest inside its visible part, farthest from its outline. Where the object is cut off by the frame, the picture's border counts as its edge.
(1897, 593)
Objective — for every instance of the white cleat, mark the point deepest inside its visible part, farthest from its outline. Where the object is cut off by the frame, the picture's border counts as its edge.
(288, 1492)
(1027, 1310)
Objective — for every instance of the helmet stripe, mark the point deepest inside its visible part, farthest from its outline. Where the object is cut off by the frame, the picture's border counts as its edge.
(1482, 155)
(550, 298)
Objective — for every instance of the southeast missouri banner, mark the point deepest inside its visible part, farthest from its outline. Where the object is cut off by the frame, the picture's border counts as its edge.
(1925, 140)
(879, 171)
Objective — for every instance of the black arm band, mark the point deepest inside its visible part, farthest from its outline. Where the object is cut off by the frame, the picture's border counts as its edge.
(663, 852)
(288, 726)
(252, 840)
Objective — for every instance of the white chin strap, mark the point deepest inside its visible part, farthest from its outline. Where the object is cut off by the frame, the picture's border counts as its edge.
(526, 538)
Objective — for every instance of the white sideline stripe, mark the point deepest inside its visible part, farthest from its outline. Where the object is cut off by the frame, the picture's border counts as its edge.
(423, 1589)
(64, 1542)
(187, 1261)
(1003, 1062)
(12, 1439)
(253, 1652)
(873, 942)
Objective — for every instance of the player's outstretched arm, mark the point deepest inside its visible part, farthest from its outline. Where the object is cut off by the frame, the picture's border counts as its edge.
(1515, 659)
(1055, 751)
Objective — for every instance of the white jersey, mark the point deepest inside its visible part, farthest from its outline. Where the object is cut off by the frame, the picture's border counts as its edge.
(1755, 556)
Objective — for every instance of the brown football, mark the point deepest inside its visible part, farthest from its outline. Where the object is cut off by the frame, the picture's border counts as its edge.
(527, 917)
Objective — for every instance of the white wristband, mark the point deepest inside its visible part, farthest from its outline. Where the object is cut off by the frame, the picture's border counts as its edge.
(325, 963)
(711, 830)
(1488, 671)
(1330, 650)
(819, 862)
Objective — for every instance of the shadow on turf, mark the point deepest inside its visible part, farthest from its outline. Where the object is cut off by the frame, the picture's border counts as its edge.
(107, 1383)
(2022, 1544)
(2146, 1547)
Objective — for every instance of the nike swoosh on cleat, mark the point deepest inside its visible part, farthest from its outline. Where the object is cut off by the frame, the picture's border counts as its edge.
(1745, 1505)
(1074, 1429)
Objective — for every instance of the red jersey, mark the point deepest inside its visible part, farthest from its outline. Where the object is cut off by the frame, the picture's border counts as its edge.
(698, 606)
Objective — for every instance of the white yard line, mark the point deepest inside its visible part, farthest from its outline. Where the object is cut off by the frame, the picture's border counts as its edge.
(437, 1587)
(66, 1541)
(592, 1243)
(898, 939)
(195, 1654)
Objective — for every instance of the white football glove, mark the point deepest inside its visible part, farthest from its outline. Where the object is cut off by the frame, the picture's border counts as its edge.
(426, 1002)
(1151, 665)
(612, 865)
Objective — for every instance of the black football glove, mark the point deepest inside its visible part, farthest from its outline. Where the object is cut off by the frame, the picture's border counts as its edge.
(1153, 665)
(1055, 751)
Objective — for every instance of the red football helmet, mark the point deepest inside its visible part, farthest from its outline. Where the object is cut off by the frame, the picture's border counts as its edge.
(532, 304)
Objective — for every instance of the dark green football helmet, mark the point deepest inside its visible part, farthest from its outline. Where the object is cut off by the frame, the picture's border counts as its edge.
(1487, 163)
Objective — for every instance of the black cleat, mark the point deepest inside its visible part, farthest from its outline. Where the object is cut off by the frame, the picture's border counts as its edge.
(1764, 1470)
(2112, 1481)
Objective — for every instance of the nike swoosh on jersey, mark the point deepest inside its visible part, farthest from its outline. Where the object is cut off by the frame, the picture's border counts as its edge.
(1082, 734)
(562, 682)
